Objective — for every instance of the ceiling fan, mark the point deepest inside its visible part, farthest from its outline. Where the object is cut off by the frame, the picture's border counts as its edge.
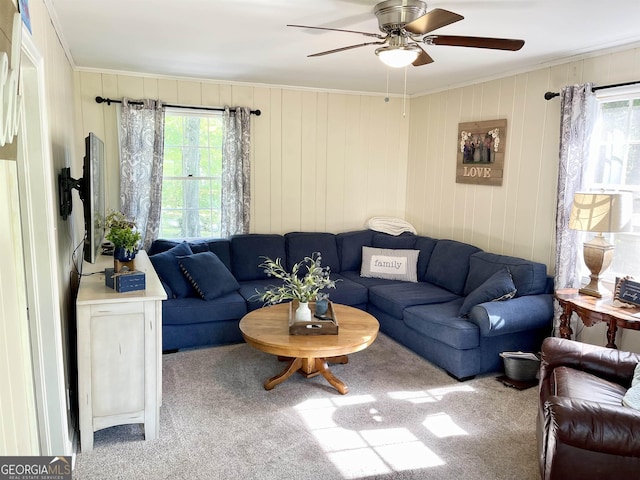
(406, 23)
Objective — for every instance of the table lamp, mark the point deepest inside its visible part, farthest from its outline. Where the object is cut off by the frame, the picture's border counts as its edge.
(600, 212)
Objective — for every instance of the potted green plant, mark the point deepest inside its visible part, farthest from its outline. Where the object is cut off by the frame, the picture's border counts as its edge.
(124, 235)
(295, 285)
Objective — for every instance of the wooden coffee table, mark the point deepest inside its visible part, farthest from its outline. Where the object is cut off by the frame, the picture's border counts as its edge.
(267, 329)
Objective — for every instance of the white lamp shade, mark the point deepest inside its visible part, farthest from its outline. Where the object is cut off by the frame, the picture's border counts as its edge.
(397, 57)
(601, 211)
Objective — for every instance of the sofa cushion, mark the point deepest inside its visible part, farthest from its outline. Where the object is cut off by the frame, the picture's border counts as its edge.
(347, 292)
(449, 265)
(167, 267)
(220, 246)
(497, 287)
(350, 248)
(384, 240)
(530, 278)
(579, 384)
(441, 322)
(366, 281)
(208, 275)
(162, 245)
(186, 311)
(426, 246)
(248, 252)
(303, 244)
(252, 289)
(392, 264)
(395, 297)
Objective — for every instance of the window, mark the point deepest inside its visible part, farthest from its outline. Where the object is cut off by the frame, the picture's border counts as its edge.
(615, 165)
(192, 170)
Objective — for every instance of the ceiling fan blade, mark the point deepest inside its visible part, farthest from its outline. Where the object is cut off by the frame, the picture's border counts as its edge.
(374, 35)
(423, 59)
(431, 21)
(345, 48)
(476, 42)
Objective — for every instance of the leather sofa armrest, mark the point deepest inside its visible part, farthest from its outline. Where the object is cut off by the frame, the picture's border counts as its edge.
(593, 426)
(515, 315)
(612, 364)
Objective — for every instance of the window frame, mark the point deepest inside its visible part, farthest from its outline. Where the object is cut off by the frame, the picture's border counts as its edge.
(186, 178)
(628, 93)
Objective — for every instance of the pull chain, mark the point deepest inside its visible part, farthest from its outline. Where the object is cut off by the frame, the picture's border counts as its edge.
(386, 99)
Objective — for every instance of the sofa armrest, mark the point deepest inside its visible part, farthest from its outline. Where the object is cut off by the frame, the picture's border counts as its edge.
(609, 363)
(515, 315)
(593, 426)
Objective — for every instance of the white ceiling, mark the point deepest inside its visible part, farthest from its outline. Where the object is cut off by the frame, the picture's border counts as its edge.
(248, 40)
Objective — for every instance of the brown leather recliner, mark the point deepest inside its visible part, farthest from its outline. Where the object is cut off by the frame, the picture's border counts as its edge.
(583, 429)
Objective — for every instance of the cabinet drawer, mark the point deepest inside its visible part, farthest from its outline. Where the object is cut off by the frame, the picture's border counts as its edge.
(116, 308)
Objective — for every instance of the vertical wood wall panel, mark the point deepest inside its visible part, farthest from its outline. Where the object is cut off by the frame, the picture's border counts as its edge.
(260, 167)
(291, 160)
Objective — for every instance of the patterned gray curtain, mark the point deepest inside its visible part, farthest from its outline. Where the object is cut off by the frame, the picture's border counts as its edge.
(141, 156)
(577, 120)
(236, 171)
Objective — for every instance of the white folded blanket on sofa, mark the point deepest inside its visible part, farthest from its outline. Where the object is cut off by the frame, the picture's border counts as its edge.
(390, 225)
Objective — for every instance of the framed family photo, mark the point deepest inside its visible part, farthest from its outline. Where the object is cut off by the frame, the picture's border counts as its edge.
(480, 147)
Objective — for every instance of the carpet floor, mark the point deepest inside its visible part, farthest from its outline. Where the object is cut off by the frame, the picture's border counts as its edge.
(403, 418)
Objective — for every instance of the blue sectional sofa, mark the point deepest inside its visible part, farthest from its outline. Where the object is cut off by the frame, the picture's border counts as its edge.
(460, 308)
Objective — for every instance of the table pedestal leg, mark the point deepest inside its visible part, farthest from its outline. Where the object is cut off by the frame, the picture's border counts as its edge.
(611, 334)
(292, 367)
(565, 316)
(310, 367)
(323, 368)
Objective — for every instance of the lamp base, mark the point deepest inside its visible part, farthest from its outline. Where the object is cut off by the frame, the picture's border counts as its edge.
(598, 254)
(597, 292)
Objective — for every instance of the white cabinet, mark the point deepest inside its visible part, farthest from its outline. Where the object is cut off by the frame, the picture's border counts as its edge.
(119, 338)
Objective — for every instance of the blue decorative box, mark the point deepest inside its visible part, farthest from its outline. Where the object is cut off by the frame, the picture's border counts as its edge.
(125, 281)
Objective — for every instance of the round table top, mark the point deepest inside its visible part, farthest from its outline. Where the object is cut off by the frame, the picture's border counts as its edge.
(267, 329)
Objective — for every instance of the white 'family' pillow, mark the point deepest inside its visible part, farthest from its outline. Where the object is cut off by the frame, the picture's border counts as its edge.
(392, 264)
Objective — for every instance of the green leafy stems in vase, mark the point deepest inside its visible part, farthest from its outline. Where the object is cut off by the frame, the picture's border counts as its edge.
(304, 283)
(124, 235)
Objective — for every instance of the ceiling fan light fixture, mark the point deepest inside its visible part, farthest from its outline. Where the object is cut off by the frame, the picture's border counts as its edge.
(398, 56)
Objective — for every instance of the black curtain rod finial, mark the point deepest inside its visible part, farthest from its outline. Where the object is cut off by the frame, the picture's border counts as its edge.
(550, 95)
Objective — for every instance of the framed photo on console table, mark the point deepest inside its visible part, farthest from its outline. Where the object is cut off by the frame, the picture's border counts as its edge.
(480, 158)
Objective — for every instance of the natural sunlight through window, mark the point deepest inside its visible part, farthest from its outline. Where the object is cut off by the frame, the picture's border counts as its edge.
(381, 447)
(433, 395)
(441, 425)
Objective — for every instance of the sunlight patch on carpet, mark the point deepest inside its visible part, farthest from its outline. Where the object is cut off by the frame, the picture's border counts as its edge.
(431, 395)
(441, 425)
(359, 453)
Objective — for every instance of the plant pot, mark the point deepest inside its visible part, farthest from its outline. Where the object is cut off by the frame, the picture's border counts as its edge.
(123, 258)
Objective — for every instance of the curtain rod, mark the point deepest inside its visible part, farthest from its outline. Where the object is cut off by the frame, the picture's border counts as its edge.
(109, 101)
(550, 95)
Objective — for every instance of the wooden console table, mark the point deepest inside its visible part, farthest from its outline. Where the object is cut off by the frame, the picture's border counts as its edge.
(592, 310)
(119, 352)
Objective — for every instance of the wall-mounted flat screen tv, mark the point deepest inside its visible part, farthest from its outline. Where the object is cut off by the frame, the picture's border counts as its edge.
(91, 188)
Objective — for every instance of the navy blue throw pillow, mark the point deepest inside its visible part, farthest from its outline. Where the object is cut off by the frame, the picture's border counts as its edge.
(208, 275)
(498, 286)
(168, 269)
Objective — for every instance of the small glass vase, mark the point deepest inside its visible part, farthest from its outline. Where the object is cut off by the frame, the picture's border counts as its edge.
(303, 312)
(322, 306)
